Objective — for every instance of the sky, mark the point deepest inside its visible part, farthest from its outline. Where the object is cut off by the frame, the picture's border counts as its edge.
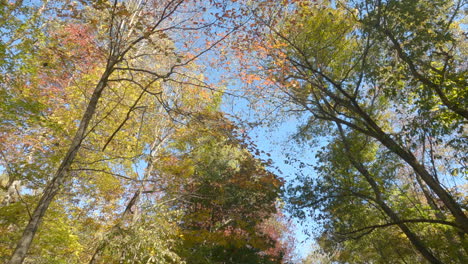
(276, 141)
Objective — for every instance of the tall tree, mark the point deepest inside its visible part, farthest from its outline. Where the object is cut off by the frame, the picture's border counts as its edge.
(125, 55)
(373, 78)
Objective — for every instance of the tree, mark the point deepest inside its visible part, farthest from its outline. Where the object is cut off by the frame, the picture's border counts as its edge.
(225, 193)
(125, 55)
(364, 76)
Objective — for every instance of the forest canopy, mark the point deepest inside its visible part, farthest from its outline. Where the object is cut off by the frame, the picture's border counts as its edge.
(126, 131)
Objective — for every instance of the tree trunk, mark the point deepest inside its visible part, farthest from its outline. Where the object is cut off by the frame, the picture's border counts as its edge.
(410, 159)
(414, 239)
(444, 196)
(60, 176)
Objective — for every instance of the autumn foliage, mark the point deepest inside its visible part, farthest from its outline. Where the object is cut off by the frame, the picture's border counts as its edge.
(125, 131)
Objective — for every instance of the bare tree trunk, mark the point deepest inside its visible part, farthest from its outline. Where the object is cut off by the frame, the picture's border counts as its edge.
(60, 176)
